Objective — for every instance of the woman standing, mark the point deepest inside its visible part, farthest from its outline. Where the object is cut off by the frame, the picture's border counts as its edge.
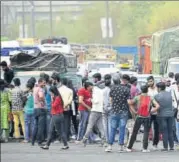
(29, 110)
(5, 110)
(57, 119)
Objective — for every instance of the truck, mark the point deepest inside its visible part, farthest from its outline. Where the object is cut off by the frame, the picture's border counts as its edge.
(165, 51)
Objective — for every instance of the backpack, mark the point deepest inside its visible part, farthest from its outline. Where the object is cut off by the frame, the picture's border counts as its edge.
(144, 106)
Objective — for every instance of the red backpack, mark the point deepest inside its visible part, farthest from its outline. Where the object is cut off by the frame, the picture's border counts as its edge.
(144, 106)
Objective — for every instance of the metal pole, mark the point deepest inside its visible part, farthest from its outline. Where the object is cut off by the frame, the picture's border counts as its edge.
(33, 21)
(51, 19)
(107, 22)
(23, 20)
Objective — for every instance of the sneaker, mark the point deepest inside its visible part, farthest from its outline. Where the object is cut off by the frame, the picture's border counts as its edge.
(171, 149)
(121, 148)
(155, 147)
(108, 149)
(25, 141)
(77, 142)
(44, 147)
(145, 151)
(65, 147)
(128, 150)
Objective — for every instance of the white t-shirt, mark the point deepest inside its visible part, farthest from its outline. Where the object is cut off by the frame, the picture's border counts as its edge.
(152, 92)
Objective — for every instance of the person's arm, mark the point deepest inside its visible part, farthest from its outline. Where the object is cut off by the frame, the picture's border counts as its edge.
(156, 106)
(81, 101)
(131, 103)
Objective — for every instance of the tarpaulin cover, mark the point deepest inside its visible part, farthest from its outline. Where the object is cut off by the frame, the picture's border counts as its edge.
(44, 62)
(165, 44)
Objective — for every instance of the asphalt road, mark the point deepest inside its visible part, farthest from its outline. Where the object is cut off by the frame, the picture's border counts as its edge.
(19, 152)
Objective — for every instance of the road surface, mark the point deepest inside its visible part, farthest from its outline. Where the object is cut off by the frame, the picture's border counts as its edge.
(20, 152)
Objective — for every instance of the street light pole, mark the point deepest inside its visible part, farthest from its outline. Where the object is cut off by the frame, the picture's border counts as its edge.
(107, 22)
(23, 20)
(32, 18)
(51, 19)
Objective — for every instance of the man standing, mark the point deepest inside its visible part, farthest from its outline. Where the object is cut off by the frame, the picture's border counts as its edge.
(152, 92)
(8, 73)
(119, 113)
(67, 97)
(39, 112)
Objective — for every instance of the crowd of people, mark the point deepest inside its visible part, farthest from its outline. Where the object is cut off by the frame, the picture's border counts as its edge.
(47, 110)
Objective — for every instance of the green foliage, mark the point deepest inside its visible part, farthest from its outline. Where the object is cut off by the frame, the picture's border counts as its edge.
(130, 20)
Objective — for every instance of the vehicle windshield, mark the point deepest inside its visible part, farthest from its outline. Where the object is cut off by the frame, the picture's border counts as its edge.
(99, 65)
(174, 67)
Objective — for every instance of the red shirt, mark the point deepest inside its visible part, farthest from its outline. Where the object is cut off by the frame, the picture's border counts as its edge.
(86, 98)
(57, 106)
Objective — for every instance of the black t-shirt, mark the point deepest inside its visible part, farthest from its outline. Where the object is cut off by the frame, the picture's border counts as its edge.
(119, 94)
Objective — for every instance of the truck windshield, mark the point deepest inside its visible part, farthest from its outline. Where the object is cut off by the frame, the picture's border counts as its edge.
(173, 67)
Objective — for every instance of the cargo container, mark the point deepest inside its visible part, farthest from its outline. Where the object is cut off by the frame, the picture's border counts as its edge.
(144, 54)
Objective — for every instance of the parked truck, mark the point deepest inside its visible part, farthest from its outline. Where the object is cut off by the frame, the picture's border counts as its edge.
(165, 51)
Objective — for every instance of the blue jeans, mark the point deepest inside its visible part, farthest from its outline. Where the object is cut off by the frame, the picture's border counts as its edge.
(117, 121)
(29, 125)
(84, 115)
(177, 129)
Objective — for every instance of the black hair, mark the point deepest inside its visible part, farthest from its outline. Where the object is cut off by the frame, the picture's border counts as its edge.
(171, 75)
(45, 76)
(98, 76)
(30, 85)
(56, 92)
(144, 89)
(176, 76)
(150, 78)
(41, 80)
(56, 76)
(107, 76)
(84, 80)
(133, 79)
(87, 84)
(17, 81)
(161, 85)
(32, 79)
(126, 77)
(65, 81)
(3, 63)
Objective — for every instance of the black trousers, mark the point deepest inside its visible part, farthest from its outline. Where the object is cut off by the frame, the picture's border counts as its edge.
(39, 125)
(146, 123)
(166, 128)
(155, 123)
(67, 123)
(57, 124)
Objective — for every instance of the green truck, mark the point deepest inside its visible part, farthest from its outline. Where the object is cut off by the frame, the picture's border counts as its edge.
(165, 51)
